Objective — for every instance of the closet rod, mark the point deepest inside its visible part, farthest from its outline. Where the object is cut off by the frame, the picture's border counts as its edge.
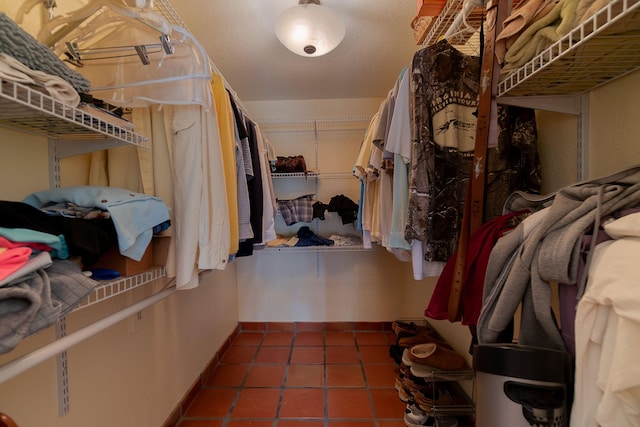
(28, 361)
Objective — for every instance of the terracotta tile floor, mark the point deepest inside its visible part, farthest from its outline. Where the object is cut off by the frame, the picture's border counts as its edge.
(304, 378)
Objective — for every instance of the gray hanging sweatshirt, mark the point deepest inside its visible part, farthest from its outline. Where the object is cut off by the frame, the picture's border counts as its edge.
(522, 265)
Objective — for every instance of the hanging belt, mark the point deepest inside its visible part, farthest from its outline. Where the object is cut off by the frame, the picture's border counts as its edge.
(497, 11)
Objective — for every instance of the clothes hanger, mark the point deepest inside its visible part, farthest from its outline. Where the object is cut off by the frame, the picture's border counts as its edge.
(177, 78)
(465, 28)
(461, 29)
(76, 56)
(57, 28)
(113, 31)
(26, 7)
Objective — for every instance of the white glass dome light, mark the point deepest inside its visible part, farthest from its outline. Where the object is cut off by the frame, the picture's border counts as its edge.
(309, 29)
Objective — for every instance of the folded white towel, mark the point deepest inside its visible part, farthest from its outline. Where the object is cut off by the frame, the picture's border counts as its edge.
(56, 87)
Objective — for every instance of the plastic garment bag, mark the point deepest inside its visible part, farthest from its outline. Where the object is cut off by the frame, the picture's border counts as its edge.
(105, 43)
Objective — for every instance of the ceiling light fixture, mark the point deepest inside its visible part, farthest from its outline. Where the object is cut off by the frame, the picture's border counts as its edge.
(309, 29)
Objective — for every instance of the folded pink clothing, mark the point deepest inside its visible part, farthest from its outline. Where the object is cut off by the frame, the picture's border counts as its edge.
(12, 259)
(525, 13)
(6, 243)
(541, 34)
(522, 16)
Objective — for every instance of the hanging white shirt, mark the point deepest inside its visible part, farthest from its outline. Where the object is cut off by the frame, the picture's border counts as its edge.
(607, 327)
(200, 203)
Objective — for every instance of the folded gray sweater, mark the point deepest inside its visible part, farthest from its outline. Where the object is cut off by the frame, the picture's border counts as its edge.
(39, 300)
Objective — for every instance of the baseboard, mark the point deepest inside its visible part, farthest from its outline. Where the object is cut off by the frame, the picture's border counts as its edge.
(315, 326)
(181, 407)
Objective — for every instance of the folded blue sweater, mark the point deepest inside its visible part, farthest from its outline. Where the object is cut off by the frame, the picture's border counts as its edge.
(134, 214)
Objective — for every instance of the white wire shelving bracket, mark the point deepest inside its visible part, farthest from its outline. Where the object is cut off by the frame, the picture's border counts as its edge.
(601, 49)
(28, 361)
(63, 341)
(70, 131)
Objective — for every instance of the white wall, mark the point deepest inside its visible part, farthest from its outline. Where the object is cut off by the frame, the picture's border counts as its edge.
(339, 286)
(613, 129)
(611, 136)
(557, 143)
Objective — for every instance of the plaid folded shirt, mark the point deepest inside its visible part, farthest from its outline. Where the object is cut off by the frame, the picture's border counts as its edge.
(296, 210)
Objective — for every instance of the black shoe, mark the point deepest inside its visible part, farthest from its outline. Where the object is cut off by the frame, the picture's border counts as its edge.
(395, 352)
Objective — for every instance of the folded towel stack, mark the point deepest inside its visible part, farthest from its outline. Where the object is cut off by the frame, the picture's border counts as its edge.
(16, 42)
(56, 87)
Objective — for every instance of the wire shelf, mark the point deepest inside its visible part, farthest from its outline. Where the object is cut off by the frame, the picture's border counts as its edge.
(350, 248)
(310, 174)
(169, 13)
(448, 383)
(452, 8)
(439, 26)
(27, 110)
(336, 175)
(111, 288)
(602, 48)
(281, 175)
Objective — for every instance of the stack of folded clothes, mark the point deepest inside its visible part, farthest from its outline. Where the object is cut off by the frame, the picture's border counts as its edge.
(534, 25)
(16, 42)
(39, 283)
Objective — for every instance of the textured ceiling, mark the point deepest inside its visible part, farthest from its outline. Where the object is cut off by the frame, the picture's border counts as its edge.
(238, 36)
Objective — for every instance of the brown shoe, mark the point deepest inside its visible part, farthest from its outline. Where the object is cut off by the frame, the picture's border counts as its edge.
(423, 338)
(405, 329)
(415, 384)
(427, 401)
(403, 371)
(437, 356)
(411, 385)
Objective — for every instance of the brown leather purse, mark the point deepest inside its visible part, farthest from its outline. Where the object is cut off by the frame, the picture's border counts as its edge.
(290, 164)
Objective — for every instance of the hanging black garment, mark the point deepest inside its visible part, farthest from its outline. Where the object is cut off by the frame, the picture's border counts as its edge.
(346, 208)
(87, 238)
(255, 193)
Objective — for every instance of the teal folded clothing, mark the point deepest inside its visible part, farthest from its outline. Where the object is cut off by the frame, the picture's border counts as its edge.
(16, 42)
(58, 244)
